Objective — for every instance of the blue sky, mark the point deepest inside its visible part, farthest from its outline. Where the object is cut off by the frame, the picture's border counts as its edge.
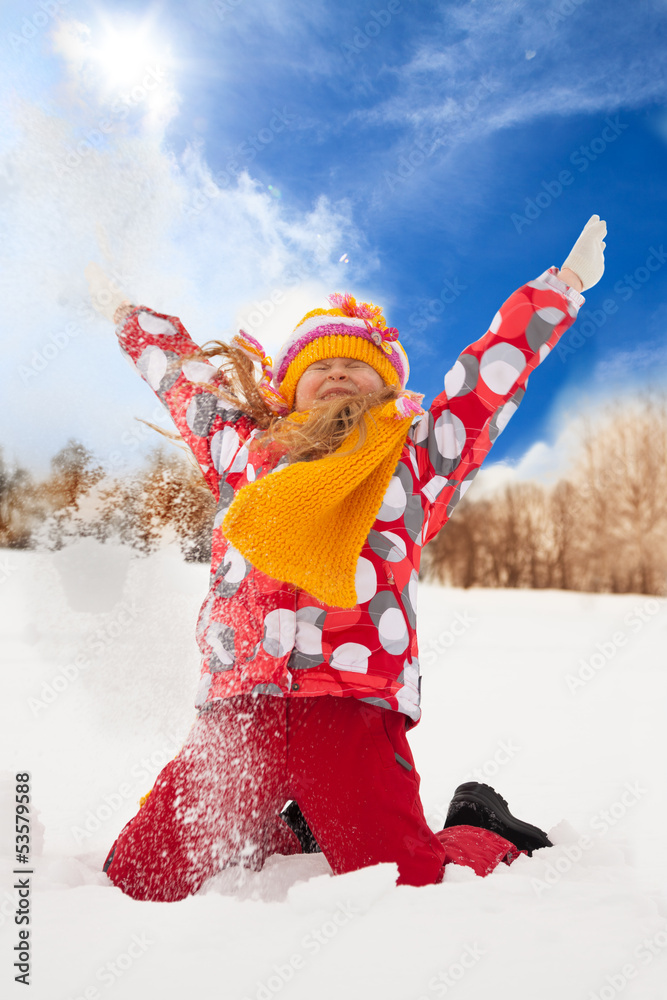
(232, 162)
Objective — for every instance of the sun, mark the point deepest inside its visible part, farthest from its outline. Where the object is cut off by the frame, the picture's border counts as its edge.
(126, 50)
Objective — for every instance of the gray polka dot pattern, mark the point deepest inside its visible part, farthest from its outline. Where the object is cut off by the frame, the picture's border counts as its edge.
(231, 573)
(460, 490)
(501, 417)
(220, 638)
(395, 498)
(307, 652)
(409, 599)
(401, 503)
(384, 547)
(171, 375)
(380, 702)
(390, 621)
(201, 413)
(441, 466)
(413, 518)
(224, 503)
(463, 381)
(541, 326)
(272, 689)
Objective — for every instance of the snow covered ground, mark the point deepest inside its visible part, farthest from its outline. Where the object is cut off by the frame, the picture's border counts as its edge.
(557, 699)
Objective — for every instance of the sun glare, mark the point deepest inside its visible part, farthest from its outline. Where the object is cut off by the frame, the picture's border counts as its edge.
(125, 52)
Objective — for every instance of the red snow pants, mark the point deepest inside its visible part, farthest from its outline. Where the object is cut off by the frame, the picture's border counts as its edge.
(348, 765)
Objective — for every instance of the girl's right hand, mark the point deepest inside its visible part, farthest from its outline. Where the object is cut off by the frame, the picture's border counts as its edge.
(106, 296)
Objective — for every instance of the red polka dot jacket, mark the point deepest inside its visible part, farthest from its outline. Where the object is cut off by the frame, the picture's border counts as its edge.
(260, 635)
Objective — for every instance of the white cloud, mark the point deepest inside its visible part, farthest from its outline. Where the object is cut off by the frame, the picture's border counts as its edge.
(622, 366)
(494, 44)
(85, 182)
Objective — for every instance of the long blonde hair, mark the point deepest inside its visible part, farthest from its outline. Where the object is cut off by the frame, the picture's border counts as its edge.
(327, 426)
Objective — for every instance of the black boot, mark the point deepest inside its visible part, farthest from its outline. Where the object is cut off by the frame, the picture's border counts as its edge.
(474, 804)
(296, 821)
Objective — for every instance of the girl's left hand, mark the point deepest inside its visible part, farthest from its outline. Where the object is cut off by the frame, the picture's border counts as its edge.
(586, 258)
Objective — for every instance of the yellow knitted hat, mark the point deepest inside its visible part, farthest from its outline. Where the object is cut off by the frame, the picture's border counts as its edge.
(348, 330)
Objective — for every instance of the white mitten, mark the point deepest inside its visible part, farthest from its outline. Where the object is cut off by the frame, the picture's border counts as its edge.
(105, 294)
(586, 258)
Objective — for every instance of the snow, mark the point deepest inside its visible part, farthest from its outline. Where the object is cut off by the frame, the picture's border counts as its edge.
(557, 699)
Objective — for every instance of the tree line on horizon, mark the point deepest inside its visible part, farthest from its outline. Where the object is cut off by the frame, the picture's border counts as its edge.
(600, 528)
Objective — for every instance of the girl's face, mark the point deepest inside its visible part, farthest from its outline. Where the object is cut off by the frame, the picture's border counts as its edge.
(333, 377)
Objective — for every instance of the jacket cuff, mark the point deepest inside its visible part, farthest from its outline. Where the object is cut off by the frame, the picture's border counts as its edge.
(551, 278)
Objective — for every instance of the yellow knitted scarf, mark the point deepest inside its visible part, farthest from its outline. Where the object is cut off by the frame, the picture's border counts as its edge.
(306, 524)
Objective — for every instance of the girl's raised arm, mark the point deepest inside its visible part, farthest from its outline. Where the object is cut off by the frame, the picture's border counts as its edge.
(488, 381)
(166, 357)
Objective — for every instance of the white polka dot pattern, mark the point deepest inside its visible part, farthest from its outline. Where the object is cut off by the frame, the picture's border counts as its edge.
(279, 631)
(157, 326)
(393, 631)
(224, 446)
(351, 657)
(394, 501)
(501, 366)
(197, 371)
(308, 638)
(450, 435)
(551, 315)
(365, 580)
(398, 549)
(153, 365)
(434, 487)
(454, 379)
(495, 322)
(504, 415)
(236, 566)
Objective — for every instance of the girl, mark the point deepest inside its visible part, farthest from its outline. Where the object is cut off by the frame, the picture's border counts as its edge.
(329, 479)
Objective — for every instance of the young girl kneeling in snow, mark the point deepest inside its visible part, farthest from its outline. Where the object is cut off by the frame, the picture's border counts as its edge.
(329, 479)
